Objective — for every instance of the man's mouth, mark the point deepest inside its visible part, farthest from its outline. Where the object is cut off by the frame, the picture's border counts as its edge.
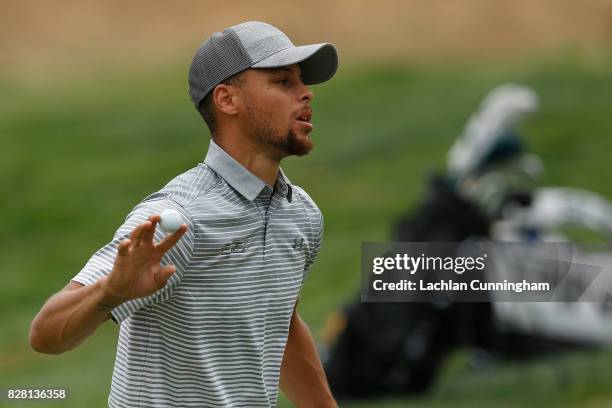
(305, 117)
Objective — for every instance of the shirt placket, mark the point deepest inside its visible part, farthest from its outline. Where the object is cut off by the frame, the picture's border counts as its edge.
(262, 201)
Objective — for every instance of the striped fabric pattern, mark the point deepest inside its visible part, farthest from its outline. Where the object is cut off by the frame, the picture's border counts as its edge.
(215, 335)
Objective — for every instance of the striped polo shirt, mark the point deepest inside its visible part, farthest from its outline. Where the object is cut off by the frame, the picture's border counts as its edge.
(215, 335)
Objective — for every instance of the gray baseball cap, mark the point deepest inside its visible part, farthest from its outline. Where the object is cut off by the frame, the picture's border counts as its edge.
(255, 45)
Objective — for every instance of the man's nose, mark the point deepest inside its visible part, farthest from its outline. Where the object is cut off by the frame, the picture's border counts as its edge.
(307, 94)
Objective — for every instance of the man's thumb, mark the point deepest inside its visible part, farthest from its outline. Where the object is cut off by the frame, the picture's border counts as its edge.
(163, 274)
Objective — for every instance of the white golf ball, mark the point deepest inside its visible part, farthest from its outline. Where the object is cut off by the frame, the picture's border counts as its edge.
(170, 220)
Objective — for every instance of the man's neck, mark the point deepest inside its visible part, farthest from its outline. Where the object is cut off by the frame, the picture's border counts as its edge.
(254, 157)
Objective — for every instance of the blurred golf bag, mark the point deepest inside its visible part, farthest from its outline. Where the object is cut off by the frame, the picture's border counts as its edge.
(377, 349)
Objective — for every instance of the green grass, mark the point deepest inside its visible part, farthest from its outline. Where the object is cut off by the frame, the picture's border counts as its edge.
(78, 153)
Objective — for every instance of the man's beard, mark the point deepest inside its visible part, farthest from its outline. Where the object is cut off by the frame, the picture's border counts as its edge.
(290, 145)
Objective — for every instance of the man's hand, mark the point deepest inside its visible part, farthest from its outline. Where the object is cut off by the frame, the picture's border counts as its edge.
(137, 271)
(73, 314)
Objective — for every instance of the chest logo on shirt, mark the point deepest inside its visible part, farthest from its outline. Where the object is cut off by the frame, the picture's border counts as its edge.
(298, 243)
(235, 247)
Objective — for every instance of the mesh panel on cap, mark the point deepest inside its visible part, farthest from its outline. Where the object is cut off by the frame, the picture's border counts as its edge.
(220, 57)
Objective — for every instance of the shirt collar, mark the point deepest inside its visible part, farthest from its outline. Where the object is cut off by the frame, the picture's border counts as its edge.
(242, 180)
(283, 186)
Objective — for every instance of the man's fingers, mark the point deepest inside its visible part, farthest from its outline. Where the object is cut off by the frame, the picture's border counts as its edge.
(136, 235)
(169, 241)
(149, 231)
(124, 247)
(163, 274)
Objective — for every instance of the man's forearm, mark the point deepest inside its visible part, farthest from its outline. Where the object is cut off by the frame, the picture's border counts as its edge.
(69, 317)
(302, 377)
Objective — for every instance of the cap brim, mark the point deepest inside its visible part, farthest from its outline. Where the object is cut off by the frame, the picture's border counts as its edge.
(318, 62)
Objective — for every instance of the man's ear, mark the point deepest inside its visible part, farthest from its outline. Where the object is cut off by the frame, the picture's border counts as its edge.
(224, 98)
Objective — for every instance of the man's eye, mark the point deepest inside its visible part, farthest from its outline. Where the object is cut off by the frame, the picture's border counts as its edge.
(283, 81)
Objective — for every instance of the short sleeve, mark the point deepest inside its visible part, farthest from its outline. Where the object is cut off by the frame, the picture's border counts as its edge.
(101, 263)
(315, 247)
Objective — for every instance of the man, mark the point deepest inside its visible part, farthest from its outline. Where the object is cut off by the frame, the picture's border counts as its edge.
(207, 314)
